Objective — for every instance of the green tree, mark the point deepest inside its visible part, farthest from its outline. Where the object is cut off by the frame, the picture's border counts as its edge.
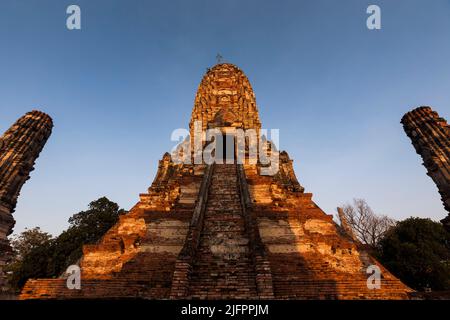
(29, 239)
(31, 249)
(46, 257)
(418, 252)
(33, 265)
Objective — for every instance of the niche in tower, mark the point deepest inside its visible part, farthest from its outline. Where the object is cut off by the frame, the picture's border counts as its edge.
(226, 149)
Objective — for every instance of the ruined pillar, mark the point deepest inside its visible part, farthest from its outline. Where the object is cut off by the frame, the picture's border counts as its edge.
(430, 136)
(20, 145)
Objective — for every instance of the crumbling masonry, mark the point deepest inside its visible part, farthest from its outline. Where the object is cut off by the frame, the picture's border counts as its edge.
(224, 231)
(19, 148)
(430, 136)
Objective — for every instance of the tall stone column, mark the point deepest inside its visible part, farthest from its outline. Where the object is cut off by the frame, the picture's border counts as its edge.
(430, 135)
(20, 145)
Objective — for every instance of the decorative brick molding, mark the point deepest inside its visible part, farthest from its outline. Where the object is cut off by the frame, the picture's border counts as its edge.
(185, 260)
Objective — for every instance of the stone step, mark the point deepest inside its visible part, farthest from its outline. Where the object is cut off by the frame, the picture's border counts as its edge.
(223, 268)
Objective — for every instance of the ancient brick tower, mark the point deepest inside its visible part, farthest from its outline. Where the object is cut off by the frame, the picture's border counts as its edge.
(222, 231)
(19, 148)
(430, 136)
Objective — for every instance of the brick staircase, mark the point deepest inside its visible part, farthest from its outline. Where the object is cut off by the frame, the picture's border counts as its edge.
(223, 267)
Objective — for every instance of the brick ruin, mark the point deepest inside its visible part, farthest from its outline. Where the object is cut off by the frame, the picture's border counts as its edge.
(20, 146)
(224, 231)
(430, 136)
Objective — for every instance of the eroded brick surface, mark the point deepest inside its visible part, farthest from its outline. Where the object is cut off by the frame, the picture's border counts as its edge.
(223, 266)
(224, 231)
(309, 257)
(20, 146)
(430, 136)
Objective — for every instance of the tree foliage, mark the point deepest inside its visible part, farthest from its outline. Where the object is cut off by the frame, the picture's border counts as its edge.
(418, 252)
(28, 240)
(37, 255)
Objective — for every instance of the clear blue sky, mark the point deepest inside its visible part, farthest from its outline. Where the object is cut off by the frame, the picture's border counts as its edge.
(117, 88)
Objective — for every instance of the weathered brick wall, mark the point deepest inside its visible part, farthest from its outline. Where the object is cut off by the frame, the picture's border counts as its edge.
(224, 231)
(430, 136)
(309, 257)
(137, 256)
(20, 146)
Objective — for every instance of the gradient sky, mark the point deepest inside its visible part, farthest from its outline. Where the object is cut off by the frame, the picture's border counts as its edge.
(117, 88)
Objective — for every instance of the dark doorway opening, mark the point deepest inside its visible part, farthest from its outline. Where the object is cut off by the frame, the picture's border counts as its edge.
(226, 149)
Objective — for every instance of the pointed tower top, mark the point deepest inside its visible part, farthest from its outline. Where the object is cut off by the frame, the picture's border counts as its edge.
(226, 89)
